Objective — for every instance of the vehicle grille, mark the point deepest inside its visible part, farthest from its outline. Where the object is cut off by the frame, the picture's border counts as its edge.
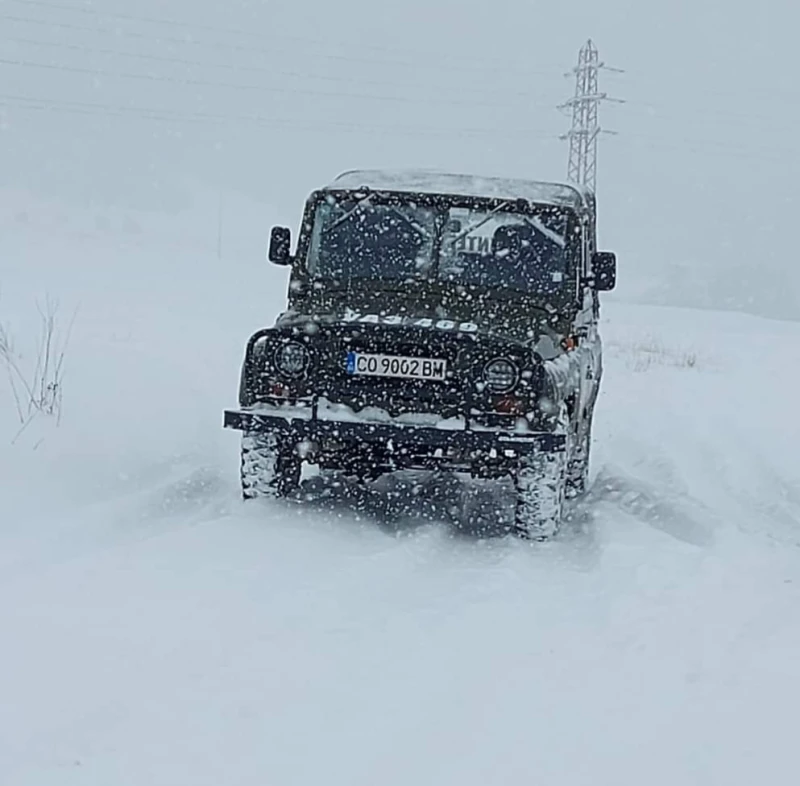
(459, 395)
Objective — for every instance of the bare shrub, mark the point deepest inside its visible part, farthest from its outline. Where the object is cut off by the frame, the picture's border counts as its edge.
(38, 387)
(647, 352)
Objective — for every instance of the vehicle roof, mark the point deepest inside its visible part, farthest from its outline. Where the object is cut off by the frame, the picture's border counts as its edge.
(433, 182)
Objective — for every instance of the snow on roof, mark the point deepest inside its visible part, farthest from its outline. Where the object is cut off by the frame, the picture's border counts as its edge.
(431, 182)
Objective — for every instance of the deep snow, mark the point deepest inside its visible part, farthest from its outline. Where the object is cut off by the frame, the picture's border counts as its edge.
(154, 629)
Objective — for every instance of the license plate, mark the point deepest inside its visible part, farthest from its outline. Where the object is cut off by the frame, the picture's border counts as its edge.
(363, 364)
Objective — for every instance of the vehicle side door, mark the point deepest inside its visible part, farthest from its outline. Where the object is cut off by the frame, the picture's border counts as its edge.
(587, 334)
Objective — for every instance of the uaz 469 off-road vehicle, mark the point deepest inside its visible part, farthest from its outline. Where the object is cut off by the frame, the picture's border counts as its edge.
(438, 322)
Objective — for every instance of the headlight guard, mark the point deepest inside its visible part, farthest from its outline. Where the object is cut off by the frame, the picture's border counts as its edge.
(291, 359)
(501, 375)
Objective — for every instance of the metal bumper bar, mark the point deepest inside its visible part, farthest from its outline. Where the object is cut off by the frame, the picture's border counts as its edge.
(398, 436)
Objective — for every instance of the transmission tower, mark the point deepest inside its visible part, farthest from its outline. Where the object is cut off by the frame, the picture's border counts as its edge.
(582, 167)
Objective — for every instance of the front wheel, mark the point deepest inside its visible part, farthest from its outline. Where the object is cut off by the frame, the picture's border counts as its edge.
(268, 469)
(578, 465)
(540, 489)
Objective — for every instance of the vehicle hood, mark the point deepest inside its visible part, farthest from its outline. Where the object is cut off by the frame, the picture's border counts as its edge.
(513, 317)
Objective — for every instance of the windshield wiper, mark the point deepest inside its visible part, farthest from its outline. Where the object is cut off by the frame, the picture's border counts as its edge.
(411, 222)
(347, 215)
(539, 226)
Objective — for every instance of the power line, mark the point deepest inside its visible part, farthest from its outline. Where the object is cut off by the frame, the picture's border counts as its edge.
(688, 145)
(656, 111)
(708, 147)
(194, 25)
(237, 86)
(646, 106)
(77, 107)
(496, 65)
(642, 106)
(192, 42)
(234, 68)
(166, 115)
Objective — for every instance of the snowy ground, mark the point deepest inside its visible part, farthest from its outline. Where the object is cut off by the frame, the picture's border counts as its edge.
(153, 630)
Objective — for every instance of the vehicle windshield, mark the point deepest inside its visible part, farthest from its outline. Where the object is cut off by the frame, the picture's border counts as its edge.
(365, 238)
(507, 250)
(355, 239)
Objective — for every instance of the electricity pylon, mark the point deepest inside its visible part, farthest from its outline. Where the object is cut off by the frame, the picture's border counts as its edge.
(582, 167)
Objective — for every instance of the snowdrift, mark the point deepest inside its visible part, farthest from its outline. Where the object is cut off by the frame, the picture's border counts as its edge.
(156, 630)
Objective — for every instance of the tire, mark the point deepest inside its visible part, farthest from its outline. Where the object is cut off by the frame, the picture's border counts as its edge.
(268, 470)
(541, 487)
(541, 490)
(578, 463)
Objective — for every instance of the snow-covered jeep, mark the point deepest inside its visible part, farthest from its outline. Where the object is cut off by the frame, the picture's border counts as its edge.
(435, 322)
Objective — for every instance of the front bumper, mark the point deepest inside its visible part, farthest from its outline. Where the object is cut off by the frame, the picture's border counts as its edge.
(396, 438)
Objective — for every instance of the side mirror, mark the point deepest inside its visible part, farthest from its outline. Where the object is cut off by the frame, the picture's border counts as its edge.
(280, 246)
(604, 271)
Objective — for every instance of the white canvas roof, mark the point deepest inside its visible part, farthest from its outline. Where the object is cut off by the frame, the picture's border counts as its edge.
(429, 182)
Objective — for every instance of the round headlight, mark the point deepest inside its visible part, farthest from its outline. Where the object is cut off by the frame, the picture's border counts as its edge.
(500, 375)
(291, 359)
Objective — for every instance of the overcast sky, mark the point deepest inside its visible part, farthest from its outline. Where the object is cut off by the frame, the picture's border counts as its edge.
(137, 104)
